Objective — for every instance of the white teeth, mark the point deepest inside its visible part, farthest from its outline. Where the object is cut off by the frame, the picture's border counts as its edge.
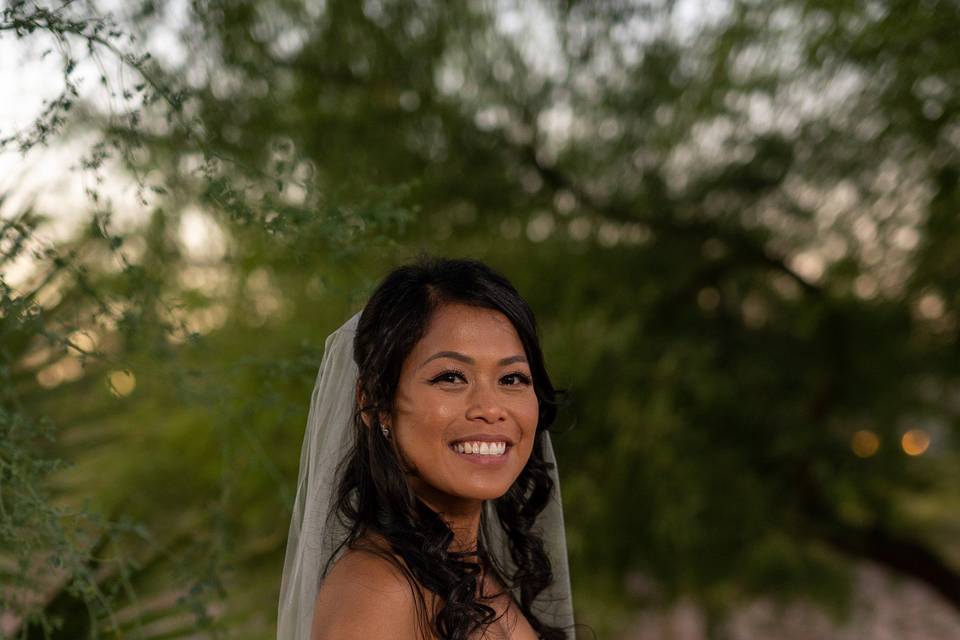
(481, 448)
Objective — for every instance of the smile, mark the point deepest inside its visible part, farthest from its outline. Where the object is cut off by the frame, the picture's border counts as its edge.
(481, 448)
(482, 453)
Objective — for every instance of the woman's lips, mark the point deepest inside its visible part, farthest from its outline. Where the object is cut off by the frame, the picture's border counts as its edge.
(481, 459)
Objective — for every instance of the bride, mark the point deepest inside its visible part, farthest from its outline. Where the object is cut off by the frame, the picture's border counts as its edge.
(428, 502)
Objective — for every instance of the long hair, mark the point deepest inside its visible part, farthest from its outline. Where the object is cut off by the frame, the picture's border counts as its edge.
(372, 492)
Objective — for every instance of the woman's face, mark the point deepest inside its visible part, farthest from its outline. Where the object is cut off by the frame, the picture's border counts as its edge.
(466, 384)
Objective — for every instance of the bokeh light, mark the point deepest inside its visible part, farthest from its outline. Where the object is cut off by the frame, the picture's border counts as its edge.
(915, 442)
(122, 383)
(865, 443)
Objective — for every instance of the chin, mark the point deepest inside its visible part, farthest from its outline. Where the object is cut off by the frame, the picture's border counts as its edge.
(485, 493)
(482, 490)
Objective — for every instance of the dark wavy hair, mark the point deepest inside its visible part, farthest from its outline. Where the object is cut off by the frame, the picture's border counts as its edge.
(372, 493)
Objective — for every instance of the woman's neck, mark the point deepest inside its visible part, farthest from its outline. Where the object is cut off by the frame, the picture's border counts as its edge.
(461, 515)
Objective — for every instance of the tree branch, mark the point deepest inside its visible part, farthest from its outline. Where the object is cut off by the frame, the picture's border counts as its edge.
(669, 225)
(904, 555)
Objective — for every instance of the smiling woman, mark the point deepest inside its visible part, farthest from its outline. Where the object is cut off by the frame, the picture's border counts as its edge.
(484, 400)
(428, 505)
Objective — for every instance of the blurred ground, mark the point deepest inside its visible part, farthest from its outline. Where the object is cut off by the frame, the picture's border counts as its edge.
(885, 608)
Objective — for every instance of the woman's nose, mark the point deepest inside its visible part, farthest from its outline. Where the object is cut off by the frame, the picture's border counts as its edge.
(484, 404)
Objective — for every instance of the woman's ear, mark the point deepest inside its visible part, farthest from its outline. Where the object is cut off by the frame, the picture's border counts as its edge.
(361, 400)
(365, 415)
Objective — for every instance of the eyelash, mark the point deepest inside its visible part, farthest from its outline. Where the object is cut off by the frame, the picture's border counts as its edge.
(523, 378)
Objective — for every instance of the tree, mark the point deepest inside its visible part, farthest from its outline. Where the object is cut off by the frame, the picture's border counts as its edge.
(738, 231)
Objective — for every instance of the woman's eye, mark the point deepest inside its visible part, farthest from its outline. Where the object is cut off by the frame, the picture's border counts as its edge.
(510, 380)
(448, 376)
(520, 378)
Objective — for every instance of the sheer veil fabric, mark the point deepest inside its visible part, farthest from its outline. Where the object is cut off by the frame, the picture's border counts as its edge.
(315, 532)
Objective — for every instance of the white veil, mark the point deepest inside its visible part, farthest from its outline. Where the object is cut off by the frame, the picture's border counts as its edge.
(315, 532)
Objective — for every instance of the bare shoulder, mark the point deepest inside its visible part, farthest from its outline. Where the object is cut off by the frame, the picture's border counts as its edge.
(364, 596)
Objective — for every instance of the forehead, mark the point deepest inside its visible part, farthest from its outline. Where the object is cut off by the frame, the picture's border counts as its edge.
(462, 327)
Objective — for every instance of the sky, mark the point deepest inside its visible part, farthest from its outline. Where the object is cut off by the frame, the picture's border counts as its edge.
(28, 78)
(45, 178)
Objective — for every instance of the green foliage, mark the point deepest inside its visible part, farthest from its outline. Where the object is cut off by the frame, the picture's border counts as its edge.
(738, 231)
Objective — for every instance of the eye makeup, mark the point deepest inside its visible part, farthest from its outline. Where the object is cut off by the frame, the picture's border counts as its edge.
(523, 378)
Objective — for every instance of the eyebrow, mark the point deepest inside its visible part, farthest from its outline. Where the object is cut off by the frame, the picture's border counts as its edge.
(454, 355)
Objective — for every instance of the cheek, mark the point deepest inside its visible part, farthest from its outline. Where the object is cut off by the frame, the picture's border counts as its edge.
(423, 419)
(434, 413)
(528, 414)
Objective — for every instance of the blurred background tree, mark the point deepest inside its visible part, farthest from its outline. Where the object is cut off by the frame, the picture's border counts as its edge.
(736, 222)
